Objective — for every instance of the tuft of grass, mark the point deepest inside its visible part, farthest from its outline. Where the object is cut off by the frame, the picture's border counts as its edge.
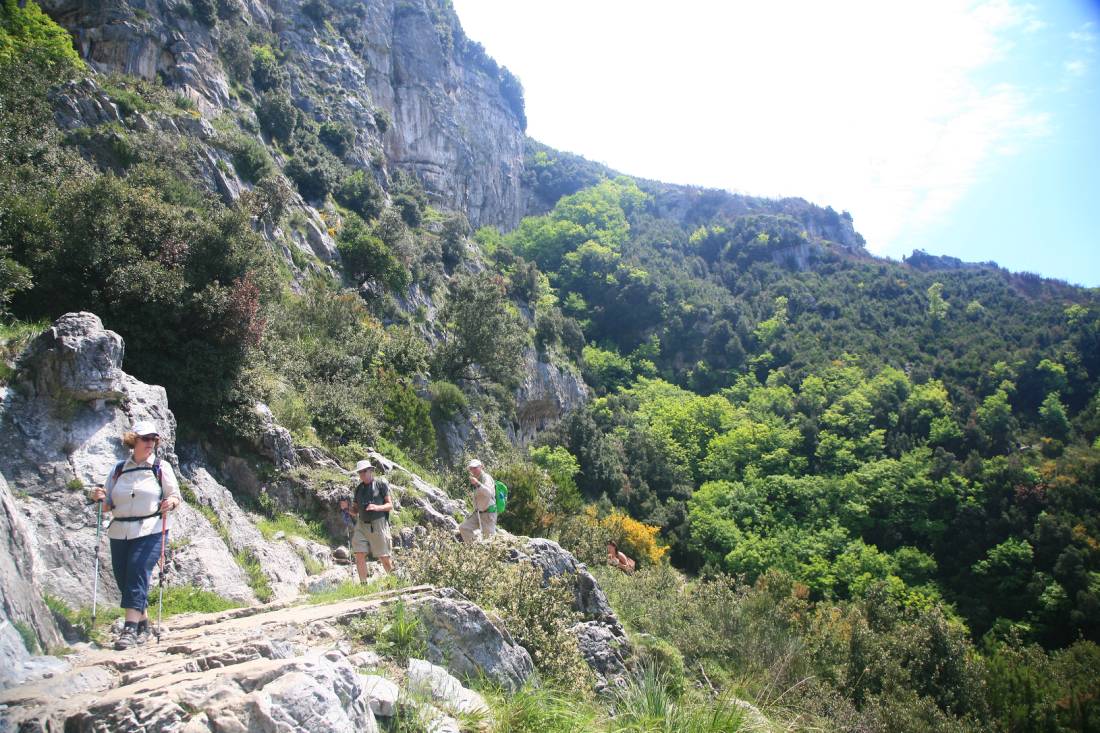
(190, 599)
(256, 578)
(293, 526)
(81, 619)
(544, 709)
(353, 589)
(30, 639)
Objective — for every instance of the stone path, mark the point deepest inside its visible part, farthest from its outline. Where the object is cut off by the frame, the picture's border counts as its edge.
(207, 667)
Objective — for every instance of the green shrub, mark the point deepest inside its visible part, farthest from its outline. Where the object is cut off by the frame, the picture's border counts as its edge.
(360, 193)
(313, 168)
(367, 257)
(28, 34)
(338, 136)
(267, 73)
(236, 56)
(250, 158)
(277, 115)
(30, 639)
(407, 421)
(447, 400)
(206, 12)
(537, 615)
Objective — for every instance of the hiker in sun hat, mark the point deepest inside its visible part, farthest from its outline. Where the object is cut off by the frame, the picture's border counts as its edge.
(140, 492)
(372, 506)
(482, 518)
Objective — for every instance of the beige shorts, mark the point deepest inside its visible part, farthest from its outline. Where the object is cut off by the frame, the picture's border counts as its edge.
(372, 537)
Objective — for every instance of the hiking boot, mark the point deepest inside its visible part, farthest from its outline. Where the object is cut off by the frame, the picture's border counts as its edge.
(127, 638)
(143, 632)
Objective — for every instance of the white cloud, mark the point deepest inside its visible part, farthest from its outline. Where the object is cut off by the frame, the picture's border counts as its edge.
(878, 108)
(1076, 67)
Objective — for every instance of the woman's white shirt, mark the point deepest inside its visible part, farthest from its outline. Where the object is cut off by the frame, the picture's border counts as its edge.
(137, 494)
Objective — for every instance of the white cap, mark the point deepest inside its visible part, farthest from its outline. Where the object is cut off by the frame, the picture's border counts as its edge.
(363, 465)
(474, 464)
(145, 427)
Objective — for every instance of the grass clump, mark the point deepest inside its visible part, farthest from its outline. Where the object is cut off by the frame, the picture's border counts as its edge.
(256, 578)
(353, 589)
(30, 639)
(292, 525)
(191, 599)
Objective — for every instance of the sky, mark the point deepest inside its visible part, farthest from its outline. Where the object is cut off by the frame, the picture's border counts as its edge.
(970, 129)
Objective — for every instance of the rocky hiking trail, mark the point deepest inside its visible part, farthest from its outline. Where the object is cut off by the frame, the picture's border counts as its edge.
(279, 666)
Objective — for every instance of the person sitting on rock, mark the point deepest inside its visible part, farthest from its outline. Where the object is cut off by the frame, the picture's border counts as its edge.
(616, 558)
(139, 493)
(485, 497)
(372, 505)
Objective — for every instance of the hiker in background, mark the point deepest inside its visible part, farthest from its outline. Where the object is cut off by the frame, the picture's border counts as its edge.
(482, 517)
(372, 505)
(616, 558)
(139, 493)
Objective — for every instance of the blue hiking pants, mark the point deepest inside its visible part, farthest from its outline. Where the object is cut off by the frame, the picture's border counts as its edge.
(133, 562)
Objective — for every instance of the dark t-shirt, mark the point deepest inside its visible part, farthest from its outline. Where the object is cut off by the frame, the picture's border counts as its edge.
(377, 493)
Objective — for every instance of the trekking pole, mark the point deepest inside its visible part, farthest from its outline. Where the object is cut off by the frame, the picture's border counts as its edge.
(95, 577)
(163, 569)
(347, 531)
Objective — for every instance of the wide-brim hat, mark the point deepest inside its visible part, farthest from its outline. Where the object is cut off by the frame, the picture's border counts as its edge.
(474, 464)
(144, 427)
(364, 465)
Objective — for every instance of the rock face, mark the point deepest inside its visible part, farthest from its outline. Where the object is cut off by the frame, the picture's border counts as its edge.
(548, 392)
(549, 556)
(400, 72)
(471, 644)
(259, 669)
(60, 424)
(20, 596)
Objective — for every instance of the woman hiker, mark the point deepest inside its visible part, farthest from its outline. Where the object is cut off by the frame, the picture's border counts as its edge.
(139, 493)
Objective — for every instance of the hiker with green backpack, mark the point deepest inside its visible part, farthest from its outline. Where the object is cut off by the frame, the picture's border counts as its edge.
(489, 499)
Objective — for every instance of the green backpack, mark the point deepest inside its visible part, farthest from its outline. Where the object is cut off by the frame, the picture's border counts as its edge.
(502, 498)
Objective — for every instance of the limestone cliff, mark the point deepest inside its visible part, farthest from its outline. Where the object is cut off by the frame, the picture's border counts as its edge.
(419, 94)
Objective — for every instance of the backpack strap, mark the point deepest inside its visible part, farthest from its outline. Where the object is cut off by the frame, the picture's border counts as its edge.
(155, 468)
(114, 480)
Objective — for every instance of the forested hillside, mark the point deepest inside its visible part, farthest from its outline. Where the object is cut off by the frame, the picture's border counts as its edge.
(863, 493)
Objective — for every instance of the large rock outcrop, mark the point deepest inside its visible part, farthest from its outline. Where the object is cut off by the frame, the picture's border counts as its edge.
(402, 74)
(60, 424)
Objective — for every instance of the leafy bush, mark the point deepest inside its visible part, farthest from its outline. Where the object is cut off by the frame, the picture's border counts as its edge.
(29, 35)
(367, 257)
(447, 400)
(360, 193)
(236, 54)
(250, 158)
(537, 615)
(277, 115)
(338, 136)
(206, 11)
(267, 73)
(313, 168)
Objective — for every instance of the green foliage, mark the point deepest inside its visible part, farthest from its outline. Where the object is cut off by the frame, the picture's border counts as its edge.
(29, 35)
(189, 599)
(118, 249)
(250, 158)
(277, 115)
(538, 614)
(267, 73)
(448, 401)
(485, 337)
(366, 256)
(360, 193)
(30, 639)
(257, 579)
(530, 495)
(562, 467)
